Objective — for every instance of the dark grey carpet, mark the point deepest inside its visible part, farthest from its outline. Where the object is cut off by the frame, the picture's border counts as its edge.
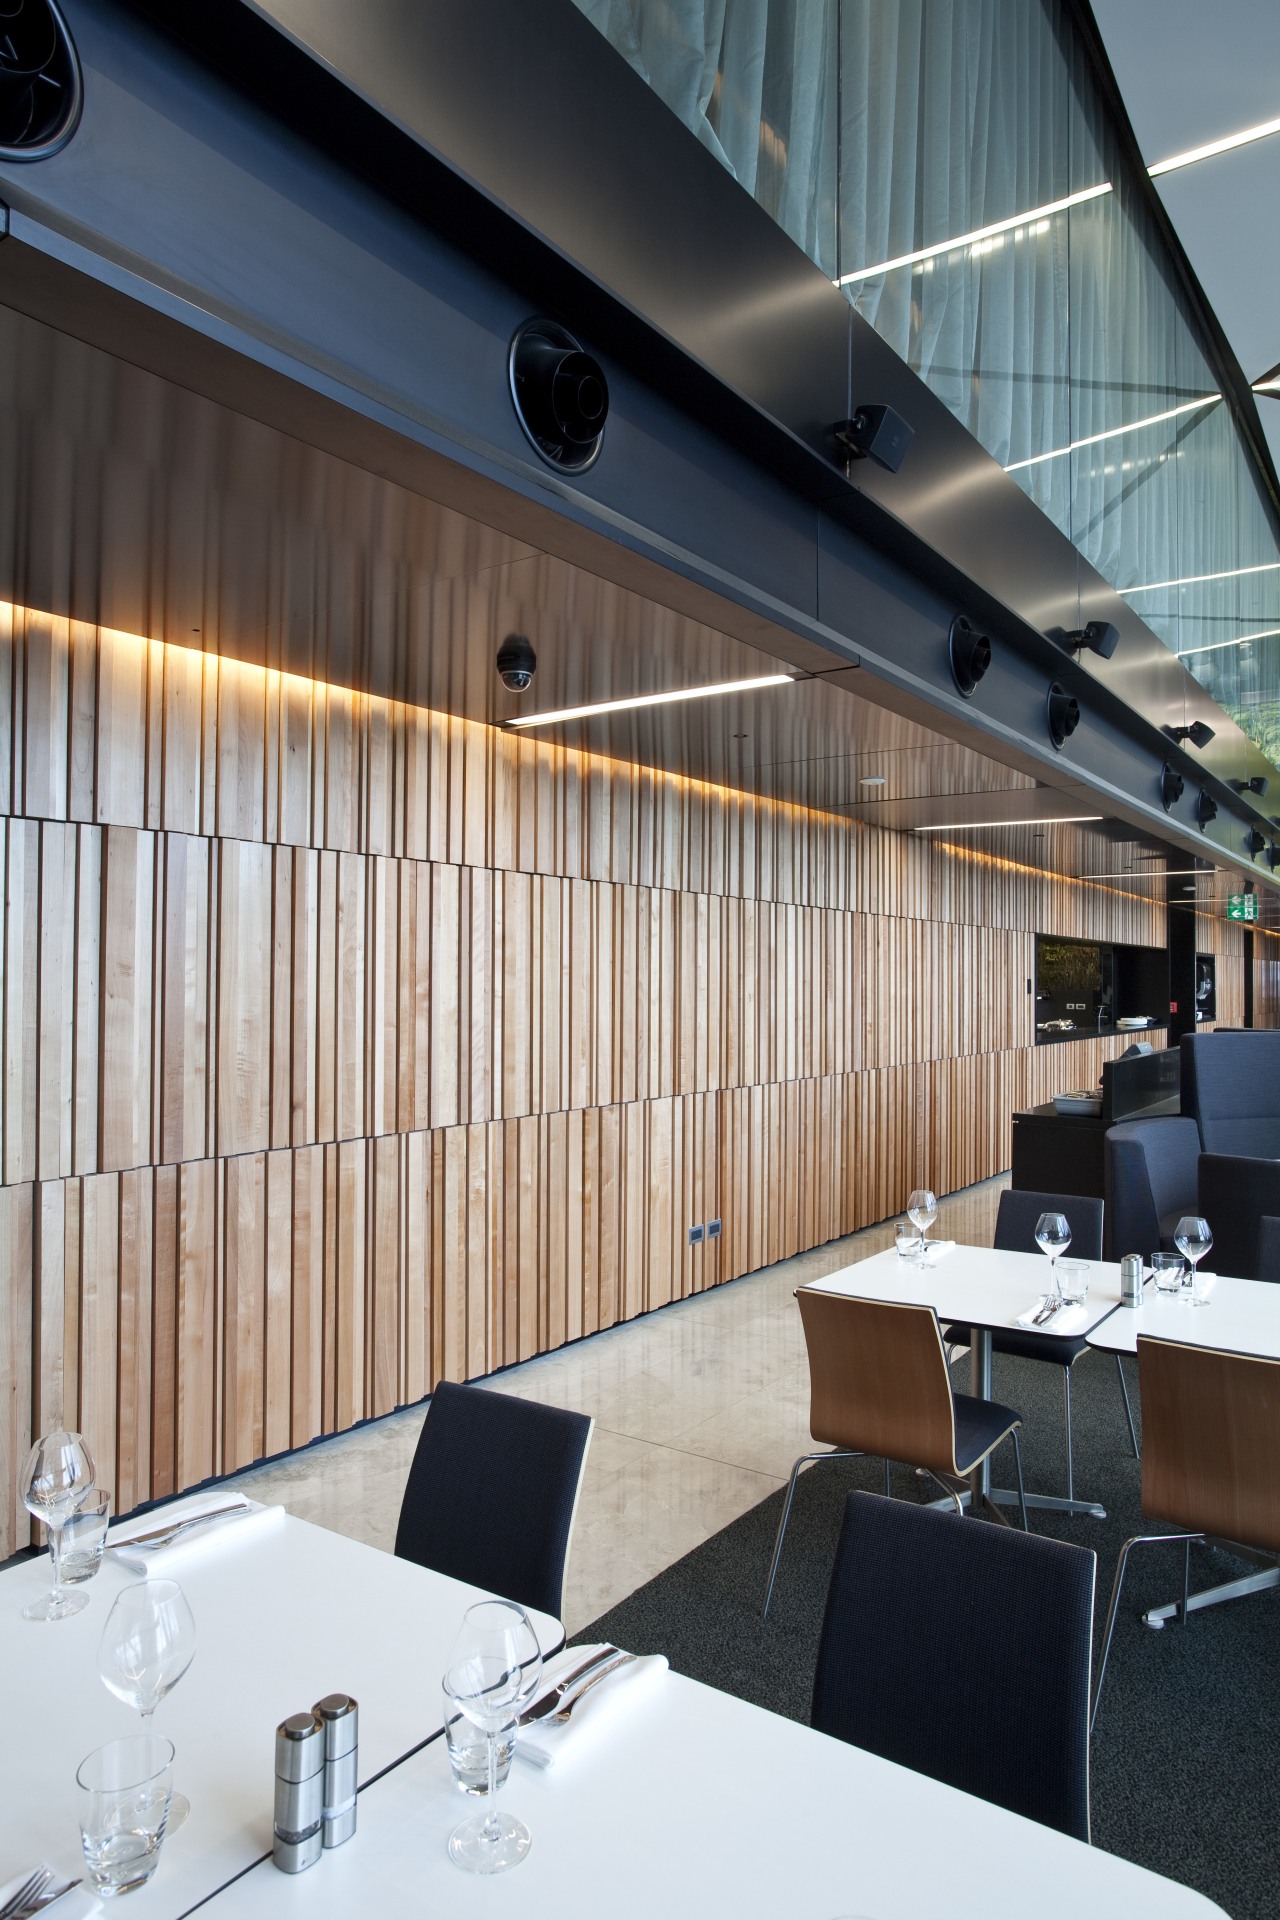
(1186, 1762)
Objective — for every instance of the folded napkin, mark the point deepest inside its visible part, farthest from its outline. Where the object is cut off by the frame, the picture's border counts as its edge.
(1065, 1320)
(216, 1536)
(77, 1903)
(939, 1249)
(545, 1743)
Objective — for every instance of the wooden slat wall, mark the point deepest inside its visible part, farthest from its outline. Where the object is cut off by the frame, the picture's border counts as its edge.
(348, 1046)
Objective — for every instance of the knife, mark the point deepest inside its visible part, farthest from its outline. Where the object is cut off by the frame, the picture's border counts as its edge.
(552, 1701)
(160, 1536)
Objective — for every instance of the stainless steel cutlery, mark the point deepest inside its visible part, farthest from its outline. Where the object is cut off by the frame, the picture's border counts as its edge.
(162, 1536)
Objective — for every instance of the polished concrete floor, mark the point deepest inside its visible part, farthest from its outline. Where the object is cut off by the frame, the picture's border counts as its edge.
(700, 1410)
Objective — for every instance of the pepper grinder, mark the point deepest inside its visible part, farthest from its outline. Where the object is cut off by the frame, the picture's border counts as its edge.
(300, 1775)
(340, 1716)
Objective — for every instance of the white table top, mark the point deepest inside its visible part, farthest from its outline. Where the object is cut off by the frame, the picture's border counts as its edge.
(693, 1805)
(1240, 1316)
(978, 1286)
(282, 1618)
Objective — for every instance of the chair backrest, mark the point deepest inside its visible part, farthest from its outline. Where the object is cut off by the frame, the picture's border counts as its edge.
(1234, 1194)
(1211, 1441)
(1149, 1172)
(492, 1493)
(878, 1379)
(962, 1651)
(1020, 1209)
(1231, 1088)
(1268, 1248)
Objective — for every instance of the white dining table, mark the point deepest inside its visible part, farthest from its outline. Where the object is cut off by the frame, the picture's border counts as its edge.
(283, 1616)
(984, 1288)
(692, 1805)
(1239, 1316)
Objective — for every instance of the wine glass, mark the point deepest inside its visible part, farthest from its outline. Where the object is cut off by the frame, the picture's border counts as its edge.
(1193, 1237)
(147, 1645)
(59, 1474)
(922, 1211)
(1053, 1237)
(492, 1675)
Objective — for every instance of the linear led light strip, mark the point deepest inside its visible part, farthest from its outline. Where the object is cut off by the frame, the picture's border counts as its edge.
(1154, 873)
(1199, 579)
(1130, 426)
(1215, 646)
(1056, 206)
(651, 700)
(980, 826)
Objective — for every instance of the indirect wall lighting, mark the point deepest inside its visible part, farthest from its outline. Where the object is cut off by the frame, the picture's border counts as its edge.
(1189, 158)
(1156, 873)
(1130, 426)
(989, 826)
(978, 235)
(1213, 646)
(651, 700)
(1198, 579)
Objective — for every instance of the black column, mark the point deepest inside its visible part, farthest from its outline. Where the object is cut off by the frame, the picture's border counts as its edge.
(1248, 976)
(1180, 896)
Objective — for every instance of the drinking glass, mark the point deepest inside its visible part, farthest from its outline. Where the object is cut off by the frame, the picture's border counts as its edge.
(58, 1475)
(906, 1242)
(922, 1211)
(125, 1797)
(1053, 1237)
(147, 1645)
(492, 1676)
(1073, 1282)
(1193, 1237)
(1167, 1269)
(468, 1749)
(84, 1539)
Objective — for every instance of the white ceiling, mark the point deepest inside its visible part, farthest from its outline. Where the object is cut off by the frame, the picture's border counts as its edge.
(1194, 71)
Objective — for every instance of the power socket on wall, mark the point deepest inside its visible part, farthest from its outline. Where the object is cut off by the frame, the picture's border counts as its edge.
(713, 1229)
(709, 1230)
(695, 1236)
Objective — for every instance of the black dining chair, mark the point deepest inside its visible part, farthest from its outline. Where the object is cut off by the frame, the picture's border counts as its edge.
(962, 1652)
(1269, 1247)
(492, 1493)
(1016, 1233)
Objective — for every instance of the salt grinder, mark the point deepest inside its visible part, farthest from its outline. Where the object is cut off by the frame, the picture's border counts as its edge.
(1131, 1280)
(300, 1777)
(340, 1717)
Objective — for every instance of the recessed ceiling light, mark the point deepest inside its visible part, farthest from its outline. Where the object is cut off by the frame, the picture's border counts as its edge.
(650, 700)
(872, 780)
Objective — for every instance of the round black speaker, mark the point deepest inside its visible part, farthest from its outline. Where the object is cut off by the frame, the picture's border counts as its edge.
(560, 395)
(1206, 809)
(969, 652)
(41, 92)
(1062, 710)
(1255, 842)
(1171, 785)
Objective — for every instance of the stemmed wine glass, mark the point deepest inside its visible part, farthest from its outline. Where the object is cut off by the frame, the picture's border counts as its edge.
(1193, 1237)
(922, 1211)
(147, 1645)
(59, 1474)
(492, 1676)
(1053, 1237)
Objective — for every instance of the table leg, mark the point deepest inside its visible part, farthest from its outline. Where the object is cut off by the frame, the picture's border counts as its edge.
(1267, 1576)
(980, 1387)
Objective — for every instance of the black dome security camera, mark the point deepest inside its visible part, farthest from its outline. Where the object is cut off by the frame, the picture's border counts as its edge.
(517, 663)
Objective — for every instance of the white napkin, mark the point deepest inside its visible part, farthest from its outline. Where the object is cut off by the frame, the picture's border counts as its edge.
(938, 1250)
(77, 1903)
(1065, 1320)
(254, 1521)
(544, 1744)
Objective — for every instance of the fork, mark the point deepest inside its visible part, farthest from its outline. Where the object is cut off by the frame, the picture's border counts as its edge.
(28, 1893)
(562, 1718)
(164, 1535)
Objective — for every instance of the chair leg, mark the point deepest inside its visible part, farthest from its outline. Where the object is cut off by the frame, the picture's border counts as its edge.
(836, 1453)
(1022, 1492)
(1139, 1540)
(1124, 1388)
(1186, 1584)
(1066, 1401)
(888, 1490)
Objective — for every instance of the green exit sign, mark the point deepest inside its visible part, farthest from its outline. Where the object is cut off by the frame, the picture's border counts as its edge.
(1242, 906)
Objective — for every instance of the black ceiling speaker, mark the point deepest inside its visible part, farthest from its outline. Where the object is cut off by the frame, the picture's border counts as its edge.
(1206, 809)
(875, 433)
(560, 395)
(1258, 785)
(1171, 785)
(1197, 733)
(1273, 856)
(1063, 710)
(970, 654)
(1098, 637)
(40, 87)
(1255, 842)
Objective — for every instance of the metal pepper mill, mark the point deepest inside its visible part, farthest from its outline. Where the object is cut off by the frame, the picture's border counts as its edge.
(339, 1714)
(299, 1809)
